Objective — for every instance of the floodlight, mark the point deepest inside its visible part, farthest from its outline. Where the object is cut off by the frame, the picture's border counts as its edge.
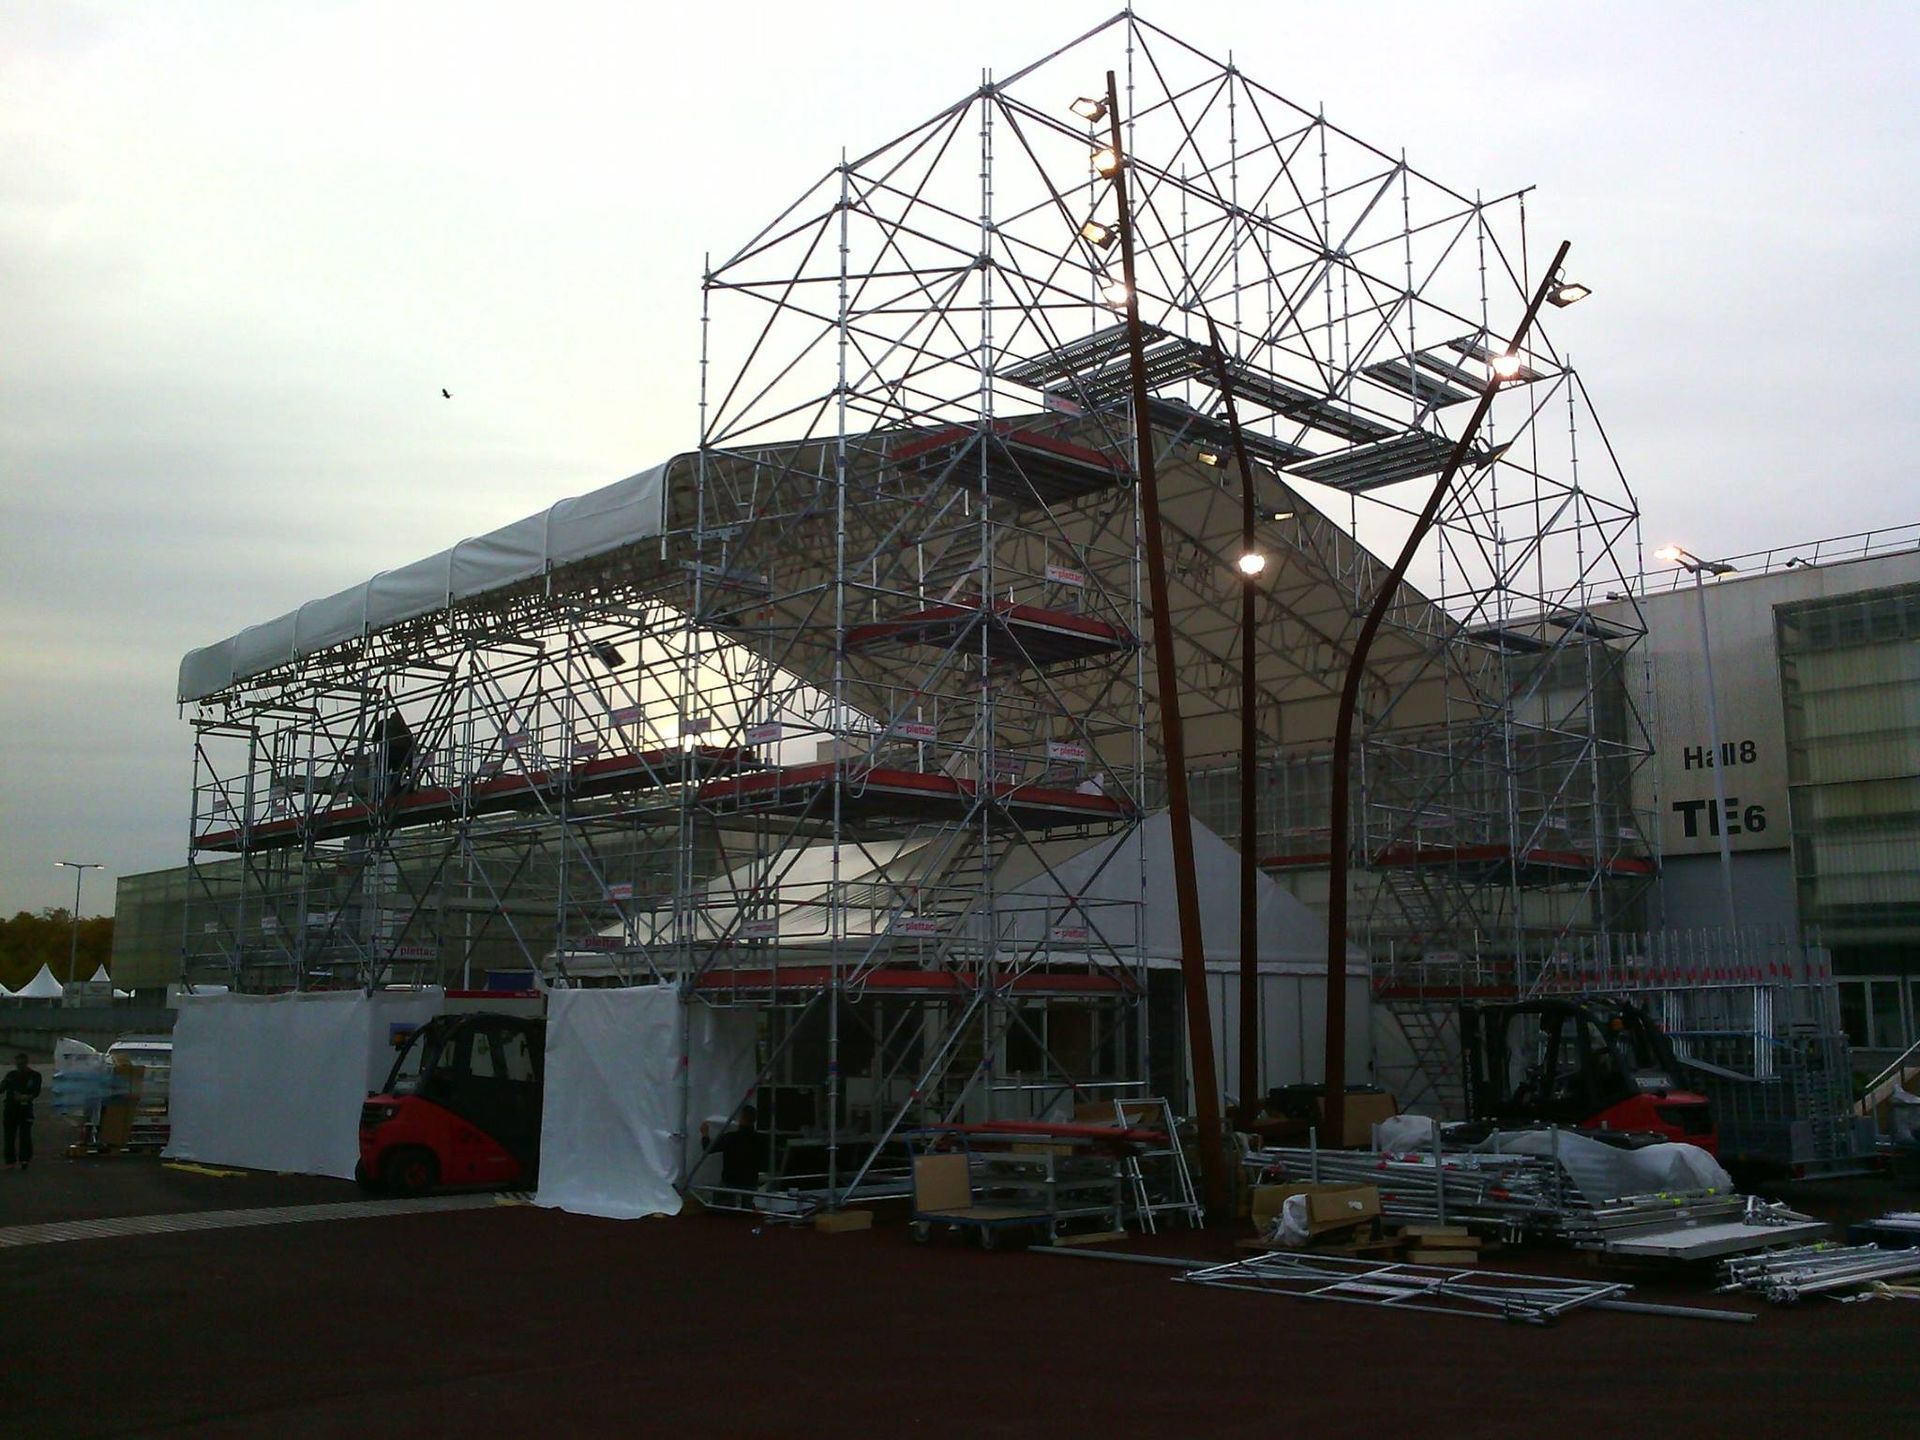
(1099, 235)
(1251, 563)
(1090, 108)
(1505, 367)
(1210, 457)
(607, 653)
(1567, 292)
(1106, 161)
(1276, 516)
(1692, 563)
(1115, 293)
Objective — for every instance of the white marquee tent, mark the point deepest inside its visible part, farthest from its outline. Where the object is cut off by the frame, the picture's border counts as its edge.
(1292, 950)
(42, 987)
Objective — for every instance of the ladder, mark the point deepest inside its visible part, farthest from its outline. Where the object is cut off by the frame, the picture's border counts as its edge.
(1433, 1078)
(1157, 1179)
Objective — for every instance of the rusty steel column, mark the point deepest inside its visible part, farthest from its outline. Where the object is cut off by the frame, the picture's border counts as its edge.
(1213, 1167)
(1249, 1028)
(1339, 824)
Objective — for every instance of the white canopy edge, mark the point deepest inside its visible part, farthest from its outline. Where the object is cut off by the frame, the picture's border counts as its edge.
(41, 987)
(570, 530)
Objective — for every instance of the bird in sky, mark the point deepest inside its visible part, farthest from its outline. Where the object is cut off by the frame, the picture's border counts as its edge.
(445, 394)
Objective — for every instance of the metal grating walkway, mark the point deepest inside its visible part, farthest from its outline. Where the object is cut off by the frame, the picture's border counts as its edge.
(58, 1231)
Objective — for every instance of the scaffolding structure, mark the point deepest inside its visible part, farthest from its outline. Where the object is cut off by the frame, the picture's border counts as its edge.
(1754, 1018)
(812, 732)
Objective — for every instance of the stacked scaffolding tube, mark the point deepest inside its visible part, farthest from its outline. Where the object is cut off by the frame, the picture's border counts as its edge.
(1522, 1194)
(1786, 1276)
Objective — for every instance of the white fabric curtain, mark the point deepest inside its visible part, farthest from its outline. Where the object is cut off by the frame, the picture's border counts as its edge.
(610, 1118)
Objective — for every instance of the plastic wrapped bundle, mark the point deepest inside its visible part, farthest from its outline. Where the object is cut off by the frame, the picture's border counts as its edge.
(83, 1080)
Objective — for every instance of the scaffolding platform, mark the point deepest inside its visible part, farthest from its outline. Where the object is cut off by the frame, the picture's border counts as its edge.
(919, 796)
(907, 981)
(1025, 635)
(533, 789)
(1528, 867)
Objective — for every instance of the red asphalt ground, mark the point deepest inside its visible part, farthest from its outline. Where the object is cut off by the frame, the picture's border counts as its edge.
(519, 1321)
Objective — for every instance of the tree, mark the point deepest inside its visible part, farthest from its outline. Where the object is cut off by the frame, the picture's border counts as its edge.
(28, 941)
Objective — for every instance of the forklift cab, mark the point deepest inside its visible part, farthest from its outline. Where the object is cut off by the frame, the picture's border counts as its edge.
(461, 1106)
(1589, 1064)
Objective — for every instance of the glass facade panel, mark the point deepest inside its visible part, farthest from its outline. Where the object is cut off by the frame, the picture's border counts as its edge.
(1850, 677)
(1889, 1019)
(1853, 1011)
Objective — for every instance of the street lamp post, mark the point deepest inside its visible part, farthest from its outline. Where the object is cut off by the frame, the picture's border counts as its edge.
(1504, 367)
(1109, 162)
(1700, 569)
(79, 868)
(1251, 564)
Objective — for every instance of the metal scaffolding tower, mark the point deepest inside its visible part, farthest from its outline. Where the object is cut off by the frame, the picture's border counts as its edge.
(813, 734)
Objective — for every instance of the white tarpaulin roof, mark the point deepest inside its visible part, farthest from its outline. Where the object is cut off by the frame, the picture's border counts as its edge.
(42, 987)
(576, 529)
(1291, 937)
(1033, 884)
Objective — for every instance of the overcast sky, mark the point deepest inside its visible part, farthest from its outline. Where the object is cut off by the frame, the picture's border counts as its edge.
(243, 246)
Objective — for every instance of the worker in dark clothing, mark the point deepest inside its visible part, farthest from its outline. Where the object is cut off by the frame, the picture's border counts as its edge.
(742, 1150)
(19, 1088)
(396, 752)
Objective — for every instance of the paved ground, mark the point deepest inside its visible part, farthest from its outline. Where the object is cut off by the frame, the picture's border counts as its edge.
(510, 1319)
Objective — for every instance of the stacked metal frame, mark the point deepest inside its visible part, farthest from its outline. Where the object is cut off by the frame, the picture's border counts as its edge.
(1754, 1018)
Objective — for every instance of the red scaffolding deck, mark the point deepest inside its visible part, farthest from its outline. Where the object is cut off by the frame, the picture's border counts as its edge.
(587, 779)
(904, 794)
(1533, 867)
(1020, 634)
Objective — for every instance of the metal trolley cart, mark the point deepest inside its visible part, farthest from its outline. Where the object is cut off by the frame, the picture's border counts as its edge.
(965, 1182)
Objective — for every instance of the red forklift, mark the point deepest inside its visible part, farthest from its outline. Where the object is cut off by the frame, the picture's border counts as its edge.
(1587, 1063)
(461, 1107)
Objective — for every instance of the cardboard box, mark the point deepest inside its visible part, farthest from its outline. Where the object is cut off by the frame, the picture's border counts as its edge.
(839, 1222)
(1422, 1255)
(1361, 1113)
(1329, 1207)
(116, 1115)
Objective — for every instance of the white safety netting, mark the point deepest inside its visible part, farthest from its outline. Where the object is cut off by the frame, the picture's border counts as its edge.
(617, 1125)
(610, 1117)
(1604, 1172)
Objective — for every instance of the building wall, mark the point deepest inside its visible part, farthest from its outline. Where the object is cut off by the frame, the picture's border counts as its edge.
(1817, 677)
(149, 920)
(1762, 891)
(1742, 626)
